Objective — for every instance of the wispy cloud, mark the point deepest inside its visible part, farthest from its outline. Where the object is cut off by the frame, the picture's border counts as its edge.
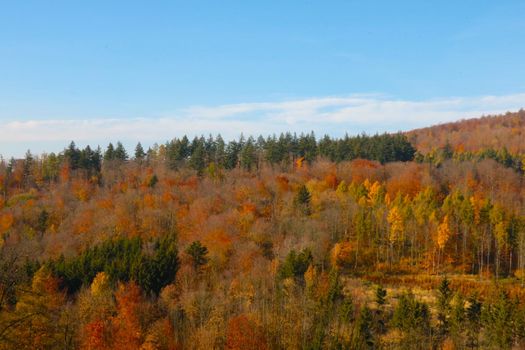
(333, 115)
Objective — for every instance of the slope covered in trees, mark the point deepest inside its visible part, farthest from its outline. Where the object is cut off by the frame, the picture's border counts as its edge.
(280, 242)
(471, 135)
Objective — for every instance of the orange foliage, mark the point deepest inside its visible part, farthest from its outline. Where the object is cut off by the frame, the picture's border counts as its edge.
(6, 221)
(331, 181)
(244, 334)
(83, 222)
(406, 180)
(64, 173)
(81, 190)
(149, 201)
(106, 204)
(282, 183)
(95, 336)
(126, 325)
(299, 162)
(363, 169)
(248, 208)
(167, 197)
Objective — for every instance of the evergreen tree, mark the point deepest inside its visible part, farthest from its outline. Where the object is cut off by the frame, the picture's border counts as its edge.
(443, 307)
(380, 296)
(499, 322)
(412, 317)
(231, 157)
(362, 336)
(295, 265)
(248, 155)
(198, 253)
(197, 161)
(110, 153)
(139, 152)
(72, 155)
(473, 322)
(302, 200)
(28, 168)
(120, 152)
(220, 151)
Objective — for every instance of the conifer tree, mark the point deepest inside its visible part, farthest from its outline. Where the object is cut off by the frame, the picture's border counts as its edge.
(120, 152)
(139, 152)
(302, 200)
(198, 253)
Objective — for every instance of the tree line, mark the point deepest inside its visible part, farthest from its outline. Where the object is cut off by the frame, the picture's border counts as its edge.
(202, 153)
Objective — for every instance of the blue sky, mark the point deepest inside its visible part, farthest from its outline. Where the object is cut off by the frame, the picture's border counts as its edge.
(100, 71)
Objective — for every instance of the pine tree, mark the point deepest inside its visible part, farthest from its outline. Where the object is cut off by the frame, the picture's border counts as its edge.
(198, 253)
(380, 296)
(197, 161)
(473, 322)
(443, 306)
(139, 152)
(110, 153)
(248, 155)
(120, 152)
(499, 320)
(362, 336)
(302, 200)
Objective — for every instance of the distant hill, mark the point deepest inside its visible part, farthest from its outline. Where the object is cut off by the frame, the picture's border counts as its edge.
(497, 132)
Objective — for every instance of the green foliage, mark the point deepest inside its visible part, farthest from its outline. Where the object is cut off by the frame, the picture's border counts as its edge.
(412, 317)
(42, 222)
(380, 296)
(110, 153)
(139, 152)
(383, 148)
(473, 321)
(499, 321)
(248, 155)
(120, 152)
(197, 159)
(443, 307)
(346, 311)
(198, 253)
(153, 181)
(362, 337)
(123, 259)
(295, 265)
(302, 200)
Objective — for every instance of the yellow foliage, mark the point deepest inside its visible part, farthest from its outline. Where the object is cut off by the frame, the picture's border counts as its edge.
(309, 276)
(342, 188)
(299, 162)
(100, 284)
(395, 219)
(375, 192)
(341, 254)
(388, 200)
(363, 201)
(443, 233)
(500, 232)
(520, 274)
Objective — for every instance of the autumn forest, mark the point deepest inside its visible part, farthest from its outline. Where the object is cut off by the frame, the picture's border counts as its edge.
(392, 241)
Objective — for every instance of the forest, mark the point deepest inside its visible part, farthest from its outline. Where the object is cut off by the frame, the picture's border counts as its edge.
(391, 241)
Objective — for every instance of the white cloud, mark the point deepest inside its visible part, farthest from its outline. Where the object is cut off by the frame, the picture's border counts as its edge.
(332, 115)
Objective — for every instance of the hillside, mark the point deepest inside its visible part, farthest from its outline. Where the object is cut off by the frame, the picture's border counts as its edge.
(280, 243)
(472, 135)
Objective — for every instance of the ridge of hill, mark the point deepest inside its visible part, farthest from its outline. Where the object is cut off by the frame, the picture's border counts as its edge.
(471, 135)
